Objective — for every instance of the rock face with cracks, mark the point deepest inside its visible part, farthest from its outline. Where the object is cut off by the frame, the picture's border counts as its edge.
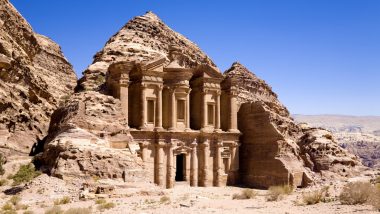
(142, 39)
(79, 141)
(34, 78)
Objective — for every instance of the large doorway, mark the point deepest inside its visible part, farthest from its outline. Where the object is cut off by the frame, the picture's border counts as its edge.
(180, 167)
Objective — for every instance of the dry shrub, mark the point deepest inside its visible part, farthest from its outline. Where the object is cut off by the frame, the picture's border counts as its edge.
(316, 196)
(356, 193)
(64, 200)
(54, 210)
(164, 200)
(106, 206)
(25, 174)
(100, 201)
(3, 182)
(245, 194)
(15, 200)
(276, 193)
(28, 212)
(78, 211)
(375, 198)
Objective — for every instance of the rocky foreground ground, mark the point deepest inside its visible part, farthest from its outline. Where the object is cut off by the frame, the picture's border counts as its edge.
(46, 194)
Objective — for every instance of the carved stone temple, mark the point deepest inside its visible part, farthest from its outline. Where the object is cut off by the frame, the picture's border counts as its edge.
(184, 120)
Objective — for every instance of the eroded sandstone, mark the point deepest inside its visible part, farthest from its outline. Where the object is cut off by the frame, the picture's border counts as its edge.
(34, 78)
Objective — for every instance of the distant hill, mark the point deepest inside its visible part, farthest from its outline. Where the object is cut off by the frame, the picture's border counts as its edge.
(360, 135)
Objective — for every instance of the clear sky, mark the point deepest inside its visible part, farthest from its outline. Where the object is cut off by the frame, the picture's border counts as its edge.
(320, 56)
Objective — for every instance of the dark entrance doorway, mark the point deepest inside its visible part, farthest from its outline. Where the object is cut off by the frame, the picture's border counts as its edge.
(180, 163)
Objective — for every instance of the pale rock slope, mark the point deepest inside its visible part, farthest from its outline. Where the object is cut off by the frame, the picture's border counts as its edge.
(142, 39)
(358, 134)
(34, 78)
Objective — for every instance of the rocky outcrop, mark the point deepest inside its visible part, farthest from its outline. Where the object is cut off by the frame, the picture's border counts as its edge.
(269, 151)
(274, 148)
(359, 135)
(80, 138)
(268, 157)
(321, 152)
(142, 39)
(34, 78)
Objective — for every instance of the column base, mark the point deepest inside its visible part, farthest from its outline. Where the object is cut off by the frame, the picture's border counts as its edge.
(234, 130)
(218, 130)
(159, 129)
(172, 129)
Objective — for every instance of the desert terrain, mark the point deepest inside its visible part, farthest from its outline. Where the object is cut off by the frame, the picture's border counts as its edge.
(359, 135)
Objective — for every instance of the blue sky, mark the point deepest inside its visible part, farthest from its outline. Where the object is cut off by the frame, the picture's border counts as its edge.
(320, 56)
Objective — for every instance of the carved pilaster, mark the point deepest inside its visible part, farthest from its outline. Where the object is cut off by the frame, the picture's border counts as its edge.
(158, 123)
(194, 165)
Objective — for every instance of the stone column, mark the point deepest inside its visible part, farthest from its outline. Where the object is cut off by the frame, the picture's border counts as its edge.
(204, 121)
(170, 167)
(144, 148)
(234, 163)
(159, 108)
(187, 167)
(144, 108)
(218, 164)
(206, 153)
(174, 112)
(217, 118)
(233, 112)
(194, 166)
(124, 83)
(188, 110)
(159, 176)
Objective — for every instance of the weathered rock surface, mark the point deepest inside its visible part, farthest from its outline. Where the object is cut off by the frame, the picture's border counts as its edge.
(269, 151)
(34, 78)
(359, 135)
(322, 153)
(274, 148)
(80, 135)
(142, 39)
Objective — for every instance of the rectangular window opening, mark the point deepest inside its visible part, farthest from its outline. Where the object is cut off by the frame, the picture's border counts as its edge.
(150, 111)
(181, 110)
(210, 114)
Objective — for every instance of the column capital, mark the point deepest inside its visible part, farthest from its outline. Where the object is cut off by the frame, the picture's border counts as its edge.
(144, 144)
(205, 91)
(234, 145)
(219, 144)
(188, 90)
(206, 143)
(218, 92)
(161, 144)
(144, 85)
(124, 82)
(193, 144)
(160, 87)
(233, 93)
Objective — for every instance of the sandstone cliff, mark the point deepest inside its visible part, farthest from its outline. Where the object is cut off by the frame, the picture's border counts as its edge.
(269, 151)
(274, 148)
(142, 39)
(34, 78)
(359, 135)
(79, 139)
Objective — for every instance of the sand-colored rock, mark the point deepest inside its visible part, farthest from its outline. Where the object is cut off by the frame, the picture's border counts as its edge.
(34, 78)
(322, 153)
(79, 140)
(142, 39)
